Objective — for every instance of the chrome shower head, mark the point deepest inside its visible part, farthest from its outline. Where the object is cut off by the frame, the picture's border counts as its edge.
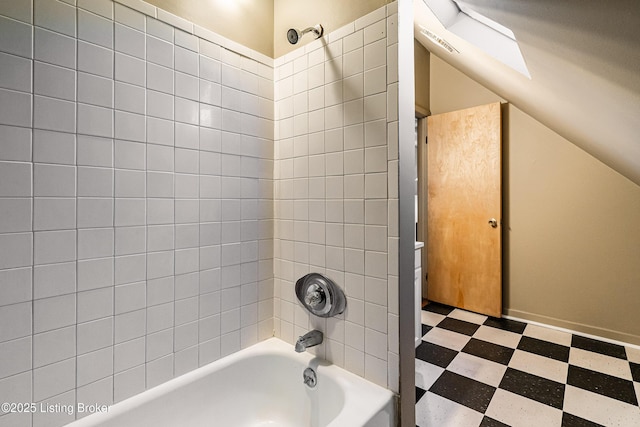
(294, 35)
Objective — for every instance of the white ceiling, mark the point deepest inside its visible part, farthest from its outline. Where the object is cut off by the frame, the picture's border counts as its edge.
(584, 60)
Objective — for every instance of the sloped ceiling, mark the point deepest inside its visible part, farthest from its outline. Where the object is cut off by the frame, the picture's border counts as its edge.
(584, 60)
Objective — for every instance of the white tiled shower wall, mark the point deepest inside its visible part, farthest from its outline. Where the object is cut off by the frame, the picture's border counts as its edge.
(136, 201)
(336, 190)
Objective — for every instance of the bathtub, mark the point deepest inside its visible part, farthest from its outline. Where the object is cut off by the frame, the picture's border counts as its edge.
(257, 387)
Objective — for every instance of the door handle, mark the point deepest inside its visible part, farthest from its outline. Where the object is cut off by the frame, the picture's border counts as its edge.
(493, 223)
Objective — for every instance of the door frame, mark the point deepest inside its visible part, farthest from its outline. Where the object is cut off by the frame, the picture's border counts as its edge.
(421, 232)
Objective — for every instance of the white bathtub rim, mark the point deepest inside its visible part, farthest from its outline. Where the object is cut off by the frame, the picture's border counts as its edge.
(347, 380)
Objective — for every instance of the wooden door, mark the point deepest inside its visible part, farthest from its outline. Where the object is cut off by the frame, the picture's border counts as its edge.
(464, 209)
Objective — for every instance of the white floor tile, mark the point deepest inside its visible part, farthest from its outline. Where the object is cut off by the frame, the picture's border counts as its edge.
(446, 338)
(633, 354)
(431, 319)
(426, 374)
(600, 409)
(637, 387)
(600, 363)
(539, 365)
(433, 410)
(479, 369)
(518, 411)
(548, 334)
(498, 336)
(478, 319)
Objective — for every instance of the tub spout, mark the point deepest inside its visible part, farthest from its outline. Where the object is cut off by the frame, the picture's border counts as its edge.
(309, 339)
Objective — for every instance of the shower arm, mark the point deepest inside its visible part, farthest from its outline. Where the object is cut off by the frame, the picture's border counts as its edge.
(317, 30)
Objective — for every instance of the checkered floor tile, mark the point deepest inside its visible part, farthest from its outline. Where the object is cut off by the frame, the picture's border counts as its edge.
(474, 370)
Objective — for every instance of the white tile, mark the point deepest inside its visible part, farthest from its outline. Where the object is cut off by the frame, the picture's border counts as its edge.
(94, 335)
(130, 41)
(498, 336)
(95, 243)
(129, 69)
(55, 312)
(600, 363)
(159, 105)
(54, 346)
(539, 365)
(130, 98)
(17, 321)
(129, 17)
(515, 410)
(54, 214)
(95, 90)
(375, 107)
(22, 11)
(95, 59)
(100, 392)
(54, 114)
(16, 73)
(95, 212)
(95, 121)
(129, 212)
(129, 269)
(130, 382)
(130, 183)
(95, 151)
(435, 410)
(54, 180)
(130, 240)
(54, 379)
(548, 334)
(95, 304)
(15, 37)
(95, 182)
(159, 52)
(17, 110)
(130, 155)
(15, 215)
(446, 338)
(160, 158)
(50, 47)
(130, 297)
(130, 126)
(478, 369)
(633, 354)
(95, 29)
(16, 356)
(94, 366)
(15, 179)
(186, 61)
(54, 280)
(15, 143)
(210, 69)
(187, 111)
(100, 7)
(468, 316)
(160, 29)
(57, 16)
(375, 81)
(375, 55)
(160, 78)
(160, 131)
(15, 285)
(187, 86)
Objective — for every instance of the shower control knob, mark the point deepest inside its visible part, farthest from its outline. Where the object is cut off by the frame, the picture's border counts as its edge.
(315, 296)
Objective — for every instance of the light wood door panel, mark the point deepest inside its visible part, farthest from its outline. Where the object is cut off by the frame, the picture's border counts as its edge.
(464, 194)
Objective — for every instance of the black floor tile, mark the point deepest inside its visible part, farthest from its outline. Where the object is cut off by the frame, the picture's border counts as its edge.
(459, 326)
(425, 329)
(603, 384)
(533, 387)
(506, 325)
(434, 307)
(569, 420)
(465, 391)
(597, 346)
(489, 351)
(490, 422)
(635, 371)
(419, 393)
(435, 354)
(544, 348)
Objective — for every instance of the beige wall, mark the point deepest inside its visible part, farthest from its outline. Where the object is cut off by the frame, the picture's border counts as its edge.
(248, 22)
(300, 14)
(571, 223)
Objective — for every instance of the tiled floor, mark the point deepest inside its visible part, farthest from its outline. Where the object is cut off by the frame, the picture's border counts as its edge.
(473, 370)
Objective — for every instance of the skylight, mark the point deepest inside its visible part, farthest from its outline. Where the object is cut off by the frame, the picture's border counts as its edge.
(498, 41)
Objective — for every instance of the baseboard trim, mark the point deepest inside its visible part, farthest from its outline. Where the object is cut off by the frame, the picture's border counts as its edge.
(606, 335)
